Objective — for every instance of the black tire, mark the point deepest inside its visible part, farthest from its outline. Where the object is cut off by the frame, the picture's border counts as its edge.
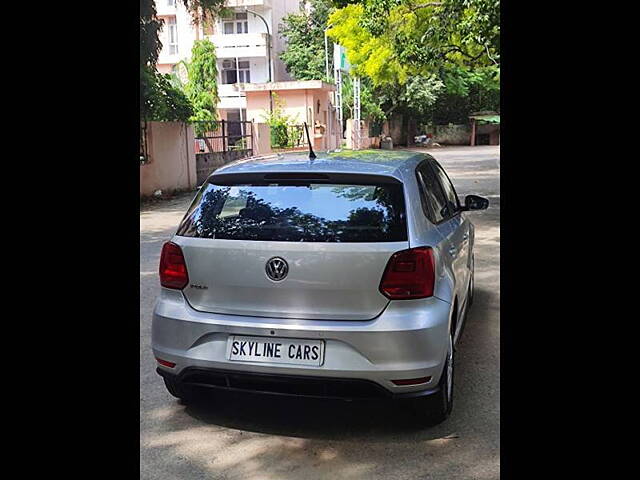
(436, 408)
(185, 394)
(472, 282)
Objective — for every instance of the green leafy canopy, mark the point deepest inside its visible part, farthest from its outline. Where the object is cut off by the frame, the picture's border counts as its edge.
(304, 57)
(160, 98)
(278, 122)
(391, 40)
(424, 59)
(202, 87)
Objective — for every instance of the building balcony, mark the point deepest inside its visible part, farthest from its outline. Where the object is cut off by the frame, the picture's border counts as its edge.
(248, 3)
(168, 58)
(240, 45)
(231, 97)
(163, 8)
(229, 90)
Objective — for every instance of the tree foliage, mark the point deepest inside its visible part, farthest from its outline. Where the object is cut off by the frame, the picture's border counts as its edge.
(205, 11)
(421, 92)
(452, 108)
(150, 27)
(278, 122)
(160, 99)
(424, 58)
(370, 103)
(202, 87)
(304, 57)
(390, 40)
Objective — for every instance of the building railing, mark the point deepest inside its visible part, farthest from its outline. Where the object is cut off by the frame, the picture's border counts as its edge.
(248, 3)
(240, 45)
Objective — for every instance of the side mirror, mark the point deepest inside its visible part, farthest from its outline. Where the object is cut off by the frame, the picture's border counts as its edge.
(474, 202)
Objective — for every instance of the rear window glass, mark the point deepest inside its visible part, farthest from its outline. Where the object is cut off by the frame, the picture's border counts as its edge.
(311, 212)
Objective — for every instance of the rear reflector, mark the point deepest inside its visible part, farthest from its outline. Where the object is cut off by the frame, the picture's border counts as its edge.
(409, 274)
(412, 381)
(165, 363)
(173, 269)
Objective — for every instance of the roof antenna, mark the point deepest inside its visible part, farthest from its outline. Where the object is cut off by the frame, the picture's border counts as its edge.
(312, 155)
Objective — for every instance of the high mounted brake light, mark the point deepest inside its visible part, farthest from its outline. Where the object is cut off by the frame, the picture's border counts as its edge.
(409, 274)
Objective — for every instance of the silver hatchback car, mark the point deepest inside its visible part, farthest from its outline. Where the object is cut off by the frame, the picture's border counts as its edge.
(344, 276)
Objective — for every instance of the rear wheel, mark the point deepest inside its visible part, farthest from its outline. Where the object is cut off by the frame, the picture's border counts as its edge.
(471, 282)
(436, 408)
(184, 393)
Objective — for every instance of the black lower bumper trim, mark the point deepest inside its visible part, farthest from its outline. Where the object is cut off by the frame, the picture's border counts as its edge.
(289, 385)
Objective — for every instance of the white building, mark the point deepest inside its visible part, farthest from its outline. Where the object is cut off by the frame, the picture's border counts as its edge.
(242, 46)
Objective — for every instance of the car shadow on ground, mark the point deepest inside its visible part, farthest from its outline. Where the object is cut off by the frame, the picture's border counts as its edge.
(302, 417)
(337, 419)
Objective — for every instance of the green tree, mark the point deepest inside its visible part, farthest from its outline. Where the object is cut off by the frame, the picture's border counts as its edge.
(278, 122)
(424, 59)
(159, 98)
(304, 57)
(416, 98)
(425, 34)
(162, 100)
(202, 86)
(393, 40)
(370, 101)
(205, 11)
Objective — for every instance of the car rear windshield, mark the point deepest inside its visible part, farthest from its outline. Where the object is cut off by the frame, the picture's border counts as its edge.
(302, 212)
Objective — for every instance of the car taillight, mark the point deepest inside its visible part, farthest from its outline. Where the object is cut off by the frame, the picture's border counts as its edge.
(173, 269)
(409, 274)
(169, 364)
(412, 381)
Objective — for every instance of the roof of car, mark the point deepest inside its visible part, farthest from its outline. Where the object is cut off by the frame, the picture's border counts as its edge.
(395, 163)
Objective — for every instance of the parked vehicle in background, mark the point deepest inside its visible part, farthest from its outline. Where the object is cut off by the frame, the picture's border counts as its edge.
(424, 139)
(345, 276)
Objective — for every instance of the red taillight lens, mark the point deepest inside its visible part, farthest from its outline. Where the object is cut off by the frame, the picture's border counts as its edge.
(173, 269)
(409, 274)
(412, 381)
(166, 363)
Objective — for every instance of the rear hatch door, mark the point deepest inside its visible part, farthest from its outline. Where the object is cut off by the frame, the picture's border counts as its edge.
(292, 249)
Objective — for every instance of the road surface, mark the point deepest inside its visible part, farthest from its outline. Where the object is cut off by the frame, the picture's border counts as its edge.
(248, 437)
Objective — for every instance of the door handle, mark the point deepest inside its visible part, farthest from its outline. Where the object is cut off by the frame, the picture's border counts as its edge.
(452, 250)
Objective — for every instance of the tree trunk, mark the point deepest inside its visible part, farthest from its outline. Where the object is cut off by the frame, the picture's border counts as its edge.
(411, 131)
(473, 133)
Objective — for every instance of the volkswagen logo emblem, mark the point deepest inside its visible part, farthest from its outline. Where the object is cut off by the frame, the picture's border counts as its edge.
(277, 268)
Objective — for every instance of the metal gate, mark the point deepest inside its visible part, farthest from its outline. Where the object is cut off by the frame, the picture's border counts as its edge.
(225, 136)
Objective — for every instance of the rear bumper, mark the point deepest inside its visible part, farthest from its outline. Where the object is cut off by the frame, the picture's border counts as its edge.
(287, 385)
(408, 340)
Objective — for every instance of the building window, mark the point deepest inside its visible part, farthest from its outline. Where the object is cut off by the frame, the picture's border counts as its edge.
(244, 74)
(236, 24)
(232, 73)
(229, 72)
(173, 36)
(171, 3)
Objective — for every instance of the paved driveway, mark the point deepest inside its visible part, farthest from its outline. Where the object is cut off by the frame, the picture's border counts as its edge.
(246, 437)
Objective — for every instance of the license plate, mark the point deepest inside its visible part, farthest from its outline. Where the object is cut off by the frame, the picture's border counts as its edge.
(292, 351)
